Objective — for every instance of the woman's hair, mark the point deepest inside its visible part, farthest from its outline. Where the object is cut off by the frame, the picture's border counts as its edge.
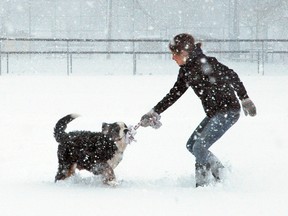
(181, 42)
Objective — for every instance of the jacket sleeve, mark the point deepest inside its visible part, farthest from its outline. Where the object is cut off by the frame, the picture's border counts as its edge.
(174, 94)
(229, 76)
(236, 83)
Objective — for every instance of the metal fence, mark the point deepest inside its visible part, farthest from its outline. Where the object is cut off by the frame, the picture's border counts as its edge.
(258, 51)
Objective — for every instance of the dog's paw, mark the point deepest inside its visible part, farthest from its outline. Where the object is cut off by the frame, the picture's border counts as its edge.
(112, 183)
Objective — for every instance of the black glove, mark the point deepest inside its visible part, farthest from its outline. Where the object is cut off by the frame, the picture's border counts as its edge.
(248, 107)
(151, 119)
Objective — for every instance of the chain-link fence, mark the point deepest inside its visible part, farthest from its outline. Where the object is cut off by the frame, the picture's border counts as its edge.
(68, 51)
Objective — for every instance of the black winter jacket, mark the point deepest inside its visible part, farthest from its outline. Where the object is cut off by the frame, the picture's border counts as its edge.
(214, 83)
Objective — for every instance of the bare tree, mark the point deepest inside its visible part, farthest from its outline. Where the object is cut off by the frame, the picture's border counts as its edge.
(259, 16)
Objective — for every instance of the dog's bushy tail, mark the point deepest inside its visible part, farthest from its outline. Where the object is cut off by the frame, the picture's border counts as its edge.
(61, 125)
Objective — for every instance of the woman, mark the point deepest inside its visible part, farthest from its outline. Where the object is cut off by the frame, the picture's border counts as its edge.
(215, 85)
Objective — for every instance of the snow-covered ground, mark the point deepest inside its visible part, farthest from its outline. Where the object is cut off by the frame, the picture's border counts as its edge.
(157, 172)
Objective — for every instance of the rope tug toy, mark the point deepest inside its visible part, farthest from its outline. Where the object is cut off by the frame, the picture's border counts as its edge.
(130, 135)
(153, 121)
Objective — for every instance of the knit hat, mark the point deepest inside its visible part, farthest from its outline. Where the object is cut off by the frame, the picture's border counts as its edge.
(181, 42)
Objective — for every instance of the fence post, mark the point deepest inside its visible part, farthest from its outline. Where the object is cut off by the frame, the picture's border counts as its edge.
(67, 57)
(134, 59)
(258, 61)
(7, 63)
(263, 57)
(0, 57)
(71, 63)
(220, 48)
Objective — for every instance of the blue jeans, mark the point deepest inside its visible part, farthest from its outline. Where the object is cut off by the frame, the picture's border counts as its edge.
(207, 133)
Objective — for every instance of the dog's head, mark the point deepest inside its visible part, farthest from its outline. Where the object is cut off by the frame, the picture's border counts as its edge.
(116, 130)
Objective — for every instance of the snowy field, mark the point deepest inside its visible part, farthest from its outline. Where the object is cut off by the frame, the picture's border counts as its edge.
(157, 172)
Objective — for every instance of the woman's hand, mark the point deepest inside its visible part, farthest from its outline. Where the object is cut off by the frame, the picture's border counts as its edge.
(248, 107)
(151, 119)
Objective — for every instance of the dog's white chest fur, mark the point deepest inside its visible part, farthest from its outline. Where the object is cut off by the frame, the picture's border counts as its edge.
(115, 160)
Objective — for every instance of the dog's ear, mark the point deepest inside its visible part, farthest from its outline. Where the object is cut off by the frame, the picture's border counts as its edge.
(105, 128)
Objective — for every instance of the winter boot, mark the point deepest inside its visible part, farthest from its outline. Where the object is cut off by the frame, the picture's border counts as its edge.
(217, 170)
(202, 174)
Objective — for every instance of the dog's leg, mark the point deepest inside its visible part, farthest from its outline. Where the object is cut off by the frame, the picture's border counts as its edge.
(109, 176)
(106, 171)
(65, 171)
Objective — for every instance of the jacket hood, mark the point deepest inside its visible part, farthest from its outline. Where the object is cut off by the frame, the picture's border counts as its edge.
(197, 51)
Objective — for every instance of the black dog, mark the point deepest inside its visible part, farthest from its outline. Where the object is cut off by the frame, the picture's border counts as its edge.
(97, 152)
